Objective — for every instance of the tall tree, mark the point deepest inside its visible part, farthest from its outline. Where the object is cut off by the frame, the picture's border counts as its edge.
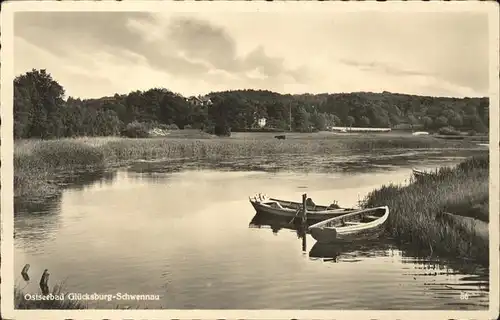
(40, 110)
(45, 97)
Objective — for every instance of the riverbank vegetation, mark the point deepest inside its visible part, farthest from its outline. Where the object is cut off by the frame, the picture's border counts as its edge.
(37, 162)
(41, 110)
(415, 209)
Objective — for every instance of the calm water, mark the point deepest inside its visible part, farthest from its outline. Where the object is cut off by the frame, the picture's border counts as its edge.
(188, 234)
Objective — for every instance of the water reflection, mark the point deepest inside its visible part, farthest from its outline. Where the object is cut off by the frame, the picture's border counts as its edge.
(150, 177)
(339, 252)
(37, 221)
(79, 180)
(465, 284)
(263, 220)
(444, 279)
(160, 166)
(276, 223)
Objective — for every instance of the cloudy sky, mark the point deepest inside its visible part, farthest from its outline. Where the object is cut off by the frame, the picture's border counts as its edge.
(94, 54)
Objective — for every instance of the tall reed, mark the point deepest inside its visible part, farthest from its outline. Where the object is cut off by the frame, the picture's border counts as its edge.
(414, 209)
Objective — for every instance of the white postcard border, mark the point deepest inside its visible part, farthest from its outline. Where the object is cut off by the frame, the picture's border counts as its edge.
(7, 76)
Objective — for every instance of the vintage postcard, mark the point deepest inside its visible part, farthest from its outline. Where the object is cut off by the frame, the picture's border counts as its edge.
(249, 160)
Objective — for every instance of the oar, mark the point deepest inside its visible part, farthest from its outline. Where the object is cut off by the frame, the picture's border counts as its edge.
(296, 214)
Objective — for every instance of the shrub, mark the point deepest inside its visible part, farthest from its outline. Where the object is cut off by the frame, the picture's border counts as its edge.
(162, 126)
(448, 131)
(136, 130)
(222, 131)
(172, 127)
(476, 162)
(471, 133)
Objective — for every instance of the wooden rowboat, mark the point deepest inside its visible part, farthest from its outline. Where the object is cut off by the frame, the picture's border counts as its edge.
(361, 224)
(472, 225)
(420, 173)
(263, 204)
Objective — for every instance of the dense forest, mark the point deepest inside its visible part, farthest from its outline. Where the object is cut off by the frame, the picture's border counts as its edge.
(41, 110)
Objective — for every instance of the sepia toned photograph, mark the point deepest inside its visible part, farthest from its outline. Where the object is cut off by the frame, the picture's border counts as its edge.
(281, 158)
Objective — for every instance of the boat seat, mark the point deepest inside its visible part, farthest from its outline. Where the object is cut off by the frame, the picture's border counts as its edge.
(352, 223)
(275, 204)
(372, 217)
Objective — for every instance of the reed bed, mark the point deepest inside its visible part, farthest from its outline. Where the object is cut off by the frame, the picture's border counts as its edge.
(37, 161)
(415, 208)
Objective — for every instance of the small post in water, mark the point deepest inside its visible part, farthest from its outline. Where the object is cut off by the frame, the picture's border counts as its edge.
(24, 272)
(44, 282)
(304, 208)
(304, 241)
(303, 225)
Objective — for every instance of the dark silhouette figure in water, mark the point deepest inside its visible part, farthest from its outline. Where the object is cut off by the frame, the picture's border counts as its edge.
(44, 282)
(24, 272)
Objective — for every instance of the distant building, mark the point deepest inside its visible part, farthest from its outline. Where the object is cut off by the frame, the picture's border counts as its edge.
(354, 129)
(110, 99)
(199, 101)
(262, 122)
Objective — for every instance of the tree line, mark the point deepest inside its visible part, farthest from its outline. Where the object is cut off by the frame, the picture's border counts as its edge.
(41, 110)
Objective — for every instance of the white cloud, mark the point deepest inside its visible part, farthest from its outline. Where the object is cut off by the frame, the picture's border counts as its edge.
(428, 54)
(256, 74)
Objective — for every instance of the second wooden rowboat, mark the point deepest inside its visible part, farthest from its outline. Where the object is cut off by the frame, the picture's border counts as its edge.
(420, 173)
(361, 224)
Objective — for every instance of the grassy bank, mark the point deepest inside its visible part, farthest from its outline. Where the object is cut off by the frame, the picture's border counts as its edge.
(415, 209)
(36, 161)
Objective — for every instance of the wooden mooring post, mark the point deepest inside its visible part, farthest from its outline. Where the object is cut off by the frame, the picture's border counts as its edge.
(24, 272)
(44, 282)
(304, 240)
(304, 209)
(303, 225)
